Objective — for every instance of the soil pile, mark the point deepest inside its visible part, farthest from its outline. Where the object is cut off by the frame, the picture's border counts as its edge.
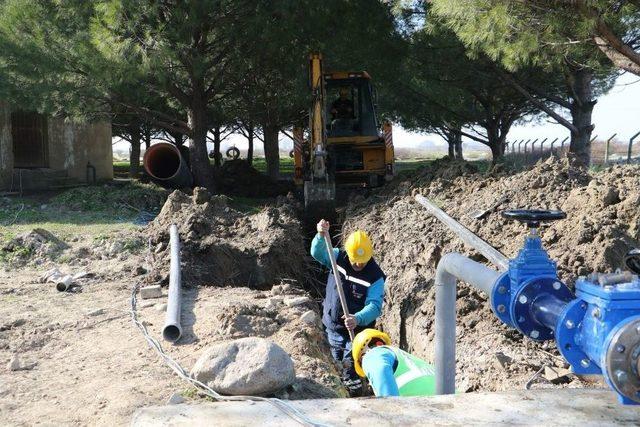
(238, 177)
(603, 222)
(222, 246)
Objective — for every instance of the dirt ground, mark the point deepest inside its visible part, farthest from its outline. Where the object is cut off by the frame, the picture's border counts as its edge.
(87, 364)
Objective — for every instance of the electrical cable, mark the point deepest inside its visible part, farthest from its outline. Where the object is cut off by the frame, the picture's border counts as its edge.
(283, 406)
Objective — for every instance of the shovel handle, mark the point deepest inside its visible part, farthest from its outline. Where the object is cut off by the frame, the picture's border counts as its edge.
(336, 275)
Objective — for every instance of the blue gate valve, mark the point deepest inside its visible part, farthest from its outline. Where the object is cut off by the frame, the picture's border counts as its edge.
(597, 330)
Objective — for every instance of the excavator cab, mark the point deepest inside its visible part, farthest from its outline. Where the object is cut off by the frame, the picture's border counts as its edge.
(346, 144)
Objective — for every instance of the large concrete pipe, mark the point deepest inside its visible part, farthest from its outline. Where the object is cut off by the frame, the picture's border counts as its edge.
(167, 166)
(172, 330)
(452, 267)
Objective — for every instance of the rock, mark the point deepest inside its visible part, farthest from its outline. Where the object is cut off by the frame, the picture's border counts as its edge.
(149, 292)
(147, 304)
(503, 360)
(273, 303)
(201, 195)
(16, 365)
(247, 366)
(160, 247)
(309, 317)
(175, 399)
(96, 312)
(556, 375)
(610, 196)
(160, 307)
(296, 301)
(283, 289)
(12, 324)
(139, 271)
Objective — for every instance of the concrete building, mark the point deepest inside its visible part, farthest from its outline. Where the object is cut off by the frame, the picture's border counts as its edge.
(39, 152)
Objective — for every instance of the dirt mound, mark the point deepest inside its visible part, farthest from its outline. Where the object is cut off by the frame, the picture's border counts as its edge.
(603, 223)
(38, 244)
(222, 246)
(238, 177)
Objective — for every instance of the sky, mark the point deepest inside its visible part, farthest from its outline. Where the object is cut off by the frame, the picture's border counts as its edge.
(616, 112)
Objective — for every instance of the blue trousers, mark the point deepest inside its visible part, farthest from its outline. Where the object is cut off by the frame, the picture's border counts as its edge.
(340, 344)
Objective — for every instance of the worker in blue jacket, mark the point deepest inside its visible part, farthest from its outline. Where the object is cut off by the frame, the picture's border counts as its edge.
(363, 285)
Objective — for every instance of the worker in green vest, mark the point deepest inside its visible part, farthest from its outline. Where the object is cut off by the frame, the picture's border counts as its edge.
(391, 371)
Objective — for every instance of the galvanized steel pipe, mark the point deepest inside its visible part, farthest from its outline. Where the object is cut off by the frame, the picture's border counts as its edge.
(172, 330)
(453, 267)
(467, 236)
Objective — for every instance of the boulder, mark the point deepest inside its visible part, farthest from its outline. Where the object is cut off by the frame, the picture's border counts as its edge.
(247, 366)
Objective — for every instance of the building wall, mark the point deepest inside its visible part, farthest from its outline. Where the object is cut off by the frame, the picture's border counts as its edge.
(72, 145)
(6, 146)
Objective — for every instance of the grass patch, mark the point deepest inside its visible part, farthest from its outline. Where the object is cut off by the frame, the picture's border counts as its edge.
(96, 211)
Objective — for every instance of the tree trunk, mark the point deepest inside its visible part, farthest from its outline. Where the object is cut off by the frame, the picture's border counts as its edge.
(217, 156)
(134, 156)
(178, 138)
(200, 166)
(271, 150)
(147, 138)
(6, 147)
(457, 146)
(579, 82)
(250, 142)
(451, 142)
(494, 142)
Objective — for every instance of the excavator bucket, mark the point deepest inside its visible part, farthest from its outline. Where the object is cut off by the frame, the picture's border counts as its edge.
(319, 195)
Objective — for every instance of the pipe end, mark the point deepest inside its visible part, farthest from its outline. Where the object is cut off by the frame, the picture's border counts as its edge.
(172, 333)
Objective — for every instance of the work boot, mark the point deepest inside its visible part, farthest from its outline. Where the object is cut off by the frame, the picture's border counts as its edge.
(354, 387)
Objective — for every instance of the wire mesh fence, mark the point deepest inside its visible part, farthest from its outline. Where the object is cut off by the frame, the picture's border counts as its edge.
(613, 149)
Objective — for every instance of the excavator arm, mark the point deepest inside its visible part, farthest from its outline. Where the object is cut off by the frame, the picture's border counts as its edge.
(319, 189)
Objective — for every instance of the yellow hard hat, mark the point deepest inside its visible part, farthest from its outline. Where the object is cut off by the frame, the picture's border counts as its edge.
(361, 341)
(359, 247)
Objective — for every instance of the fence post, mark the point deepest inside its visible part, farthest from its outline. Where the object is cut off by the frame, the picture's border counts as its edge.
(593, 139)
(551, 149)
(630, 144)
(562, 143)
(541, 145)
(606, 149)
(525, 145)
(520, 144)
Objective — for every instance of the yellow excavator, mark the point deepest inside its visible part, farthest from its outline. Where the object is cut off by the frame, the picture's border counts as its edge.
(346, 144)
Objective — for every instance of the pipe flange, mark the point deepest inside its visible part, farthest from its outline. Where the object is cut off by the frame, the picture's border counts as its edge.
(501, 298)
(521, 313)
(569, 323)
(622, 358)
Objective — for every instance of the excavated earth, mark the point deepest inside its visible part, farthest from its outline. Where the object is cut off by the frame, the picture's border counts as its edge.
(75, 358)
(603, 222)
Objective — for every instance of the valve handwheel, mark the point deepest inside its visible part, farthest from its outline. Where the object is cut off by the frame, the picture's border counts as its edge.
(533, 217)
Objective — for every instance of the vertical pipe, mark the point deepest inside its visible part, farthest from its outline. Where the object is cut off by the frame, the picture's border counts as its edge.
(172, 330)
(606, 150)
(445, 350)
(451, 267)
(630, 144)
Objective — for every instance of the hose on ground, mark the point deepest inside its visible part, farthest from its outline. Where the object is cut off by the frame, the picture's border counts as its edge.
(283, 406)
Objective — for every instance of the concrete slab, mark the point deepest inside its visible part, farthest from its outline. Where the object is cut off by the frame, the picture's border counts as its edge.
(583, 407)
